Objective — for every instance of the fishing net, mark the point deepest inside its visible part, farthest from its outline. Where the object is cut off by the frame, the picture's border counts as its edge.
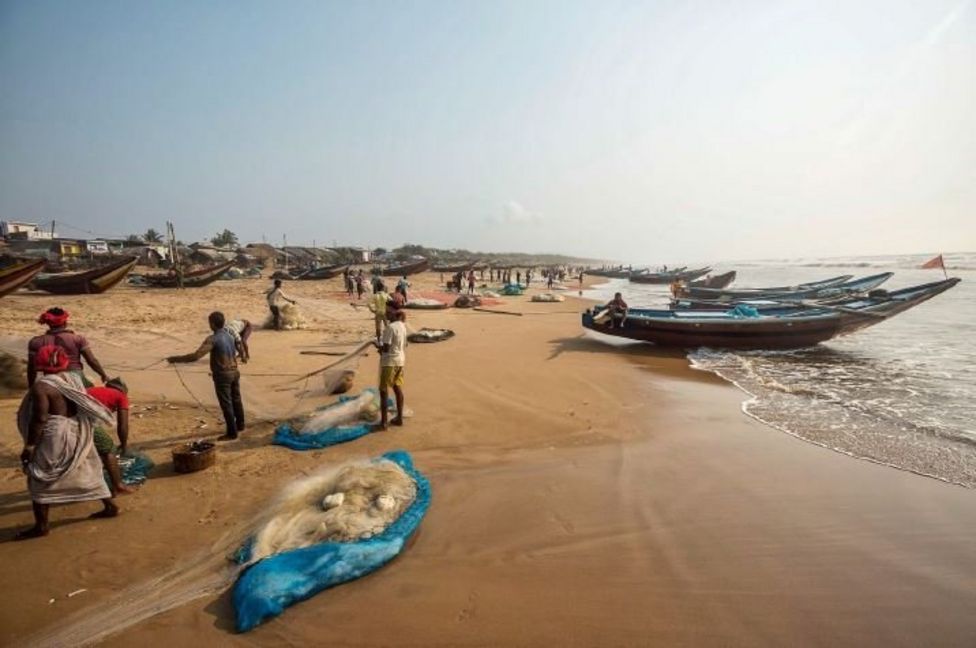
(511, 290)
(349, 418)
(326, 530)
(426, 335)
(135, 468)
(292, 318)
(548, 298)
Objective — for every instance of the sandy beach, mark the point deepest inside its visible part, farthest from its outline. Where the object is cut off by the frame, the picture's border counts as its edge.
(584, 493)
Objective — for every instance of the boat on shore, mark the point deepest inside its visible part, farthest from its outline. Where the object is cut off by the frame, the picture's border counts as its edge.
(459, 267)
(787, 327)
(194, 279)
(816, 292)
(718, 281)
(19, 273)
(610, 273)
(406, 269)
(325, 272)
(671, 276)
(88, 282)
(696, 292)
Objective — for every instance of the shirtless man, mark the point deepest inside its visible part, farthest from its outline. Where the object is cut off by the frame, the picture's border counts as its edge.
(59, 456)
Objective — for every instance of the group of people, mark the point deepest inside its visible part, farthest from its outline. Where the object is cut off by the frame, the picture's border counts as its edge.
(64, 421)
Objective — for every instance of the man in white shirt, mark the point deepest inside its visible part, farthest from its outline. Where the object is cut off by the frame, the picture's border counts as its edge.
(392, 348)
(240, 330)
(275, 298)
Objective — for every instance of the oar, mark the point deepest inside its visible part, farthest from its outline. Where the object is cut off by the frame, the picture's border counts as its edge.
(496, 312)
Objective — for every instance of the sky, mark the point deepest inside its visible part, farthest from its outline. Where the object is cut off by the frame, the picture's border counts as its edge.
(647, 132)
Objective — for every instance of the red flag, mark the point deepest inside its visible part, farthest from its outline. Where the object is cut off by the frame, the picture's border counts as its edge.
(937, 262)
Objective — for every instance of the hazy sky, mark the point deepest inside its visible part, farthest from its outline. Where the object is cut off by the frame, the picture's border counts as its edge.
(644, 131)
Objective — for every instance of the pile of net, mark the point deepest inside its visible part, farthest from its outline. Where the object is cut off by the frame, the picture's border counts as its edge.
(467, 301)
(292, 318)
(430, 335)
(232, 273)
(511, 290)
(134, 467)
(491, 294)
(425, 303)
(548, 298)
(349, 418)
(743, 311)
(326, 530)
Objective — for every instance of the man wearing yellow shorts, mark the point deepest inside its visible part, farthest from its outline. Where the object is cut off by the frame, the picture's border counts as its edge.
(392, 348)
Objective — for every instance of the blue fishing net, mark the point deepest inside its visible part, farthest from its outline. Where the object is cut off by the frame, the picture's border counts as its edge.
(511, 290)
(286, 434)
(134, 467)
(742, 311)
(269, 586)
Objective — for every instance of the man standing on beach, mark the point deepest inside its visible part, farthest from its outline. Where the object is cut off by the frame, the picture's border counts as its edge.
(224, 351)
(59, 457)
(275, 298)
(392, 348)
(114, 396)
(75, 346)
(377, 304)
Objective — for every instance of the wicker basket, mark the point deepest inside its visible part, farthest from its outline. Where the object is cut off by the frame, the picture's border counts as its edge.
(194, 456)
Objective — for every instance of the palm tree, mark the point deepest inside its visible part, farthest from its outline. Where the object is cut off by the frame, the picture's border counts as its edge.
(152, 236)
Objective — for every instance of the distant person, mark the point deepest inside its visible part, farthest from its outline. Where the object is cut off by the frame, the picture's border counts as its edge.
(518, 277)
(276, 297)
(471, 282)
(75, 346)
(395, 304)
(224, 351)
(550, 280)
(677, 288)
(59, 456)
(114, 396)
(360, 285)
(403, 285)
(377, 304)
(618, 311)
(581, 283)
(392, 348)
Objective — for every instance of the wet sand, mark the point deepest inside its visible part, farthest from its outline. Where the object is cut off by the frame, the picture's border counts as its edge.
(584, 494)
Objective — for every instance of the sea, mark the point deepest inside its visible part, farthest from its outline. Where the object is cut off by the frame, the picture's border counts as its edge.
(901, 393)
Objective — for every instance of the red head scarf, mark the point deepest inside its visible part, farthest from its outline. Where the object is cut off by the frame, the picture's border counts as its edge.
(54, 317)
(51, 359)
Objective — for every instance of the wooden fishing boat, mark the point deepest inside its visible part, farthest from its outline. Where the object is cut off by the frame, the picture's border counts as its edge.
(326, 272)
(747, 293)
(718, 281)
(89, 282)
(788, 327)
(18, 274)
(406, 269)
(610, 273)
(669, 277)
(194, 279)
(459, 267)
(862, 285)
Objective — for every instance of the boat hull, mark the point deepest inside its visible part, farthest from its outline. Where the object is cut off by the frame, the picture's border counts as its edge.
(663, 278)
(196, 279)
(406, 270)
(318, 274)
(90, 282)
(717, 282)
(19, 274)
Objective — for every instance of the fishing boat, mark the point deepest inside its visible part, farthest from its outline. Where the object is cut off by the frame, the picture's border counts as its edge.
(194, 279)
(718, 281)
(786, 327)
(670, 276)
(89, 282)
(611, 273)
(18, 274)
(459, 267)
(862, 285)
(747, 293)
(326, 272)
(406, 269)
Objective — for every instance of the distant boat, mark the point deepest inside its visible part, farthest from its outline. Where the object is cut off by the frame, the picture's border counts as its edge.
(18, 274)
(788, 327)
(89, 282)
(718, 281)
(668, 277)
(460, 267)
(864, 284)
(327, 272)
(406, 269)
(195, 279)
(610, 273)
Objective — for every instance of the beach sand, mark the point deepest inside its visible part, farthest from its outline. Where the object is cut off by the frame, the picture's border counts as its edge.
(584, 493)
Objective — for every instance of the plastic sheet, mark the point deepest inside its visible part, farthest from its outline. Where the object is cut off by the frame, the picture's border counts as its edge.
(269, 586)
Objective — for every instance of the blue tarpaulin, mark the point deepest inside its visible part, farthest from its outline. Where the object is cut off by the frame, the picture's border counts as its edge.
(286, 435)
(274, 583)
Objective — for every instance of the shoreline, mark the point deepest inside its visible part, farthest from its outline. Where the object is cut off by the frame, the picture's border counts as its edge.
(584, 492)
